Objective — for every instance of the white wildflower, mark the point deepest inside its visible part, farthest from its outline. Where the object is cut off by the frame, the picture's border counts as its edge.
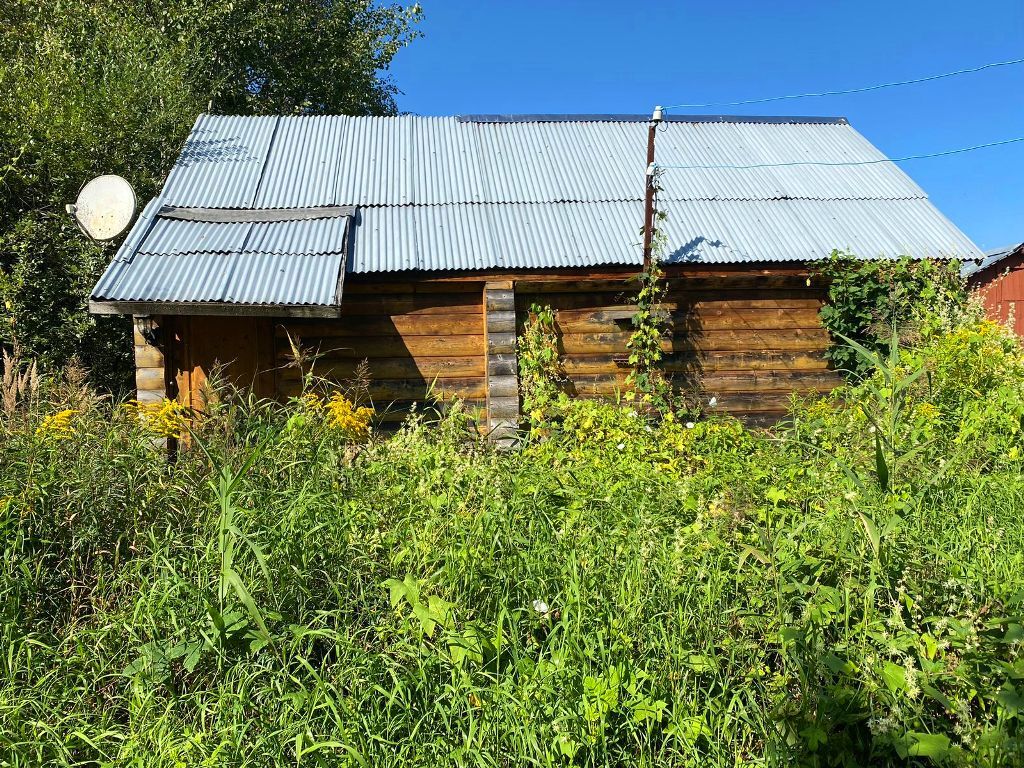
(690, 425)
(540, 606)
(621, 446)
(713, 402)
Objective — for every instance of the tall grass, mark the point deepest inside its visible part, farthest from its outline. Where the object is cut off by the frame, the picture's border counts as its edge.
(615, 593)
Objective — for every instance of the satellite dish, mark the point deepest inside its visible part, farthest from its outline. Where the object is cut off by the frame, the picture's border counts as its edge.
(105, 207)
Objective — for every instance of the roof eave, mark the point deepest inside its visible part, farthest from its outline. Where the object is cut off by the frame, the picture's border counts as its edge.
(224, 309)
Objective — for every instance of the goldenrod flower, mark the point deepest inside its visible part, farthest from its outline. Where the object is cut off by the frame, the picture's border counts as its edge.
(342, 415)
(57, 426)
(166, 418)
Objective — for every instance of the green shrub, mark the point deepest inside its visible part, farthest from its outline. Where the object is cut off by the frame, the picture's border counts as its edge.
(869, 298)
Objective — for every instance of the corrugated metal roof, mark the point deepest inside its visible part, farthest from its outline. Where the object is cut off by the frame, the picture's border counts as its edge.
(291, 263)
(533, 235)
(491, 192)
(341, 160)
(991, 258)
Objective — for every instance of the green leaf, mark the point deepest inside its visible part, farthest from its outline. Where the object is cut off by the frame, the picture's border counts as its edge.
(931, 745)
(894, 676)
(881, 469)
(872, 532)
(1010, 701)
(838, 665)
(814, 736)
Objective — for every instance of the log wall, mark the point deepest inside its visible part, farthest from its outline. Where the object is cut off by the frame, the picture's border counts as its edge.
(424, 342)
(746, 337)
(749, 337)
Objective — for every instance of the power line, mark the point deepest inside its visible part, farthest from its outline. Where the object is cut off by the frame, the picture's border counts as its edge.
(944, 153)
(878, 87)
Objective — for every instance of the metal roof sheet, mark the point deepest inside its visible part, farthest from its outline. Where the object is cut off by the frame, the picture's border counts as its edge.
(290, 162)
(533, 235)
(492, 192)
(991, 258)
(292, 263)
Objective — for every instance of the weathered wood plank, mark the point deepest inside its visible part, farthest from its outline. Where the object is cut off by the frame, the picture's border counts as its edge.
(499, 299)
(418, 303)
(149, 396)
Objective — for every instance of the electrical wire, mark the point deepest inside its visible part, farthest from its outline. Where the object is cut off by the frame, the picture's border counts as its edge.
(929, 155)
(865, 89)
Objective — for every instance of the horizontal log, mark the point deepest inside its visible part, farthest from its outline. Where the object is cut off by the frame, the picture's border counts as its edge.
(714, 384)
(680, 362)
(148, 357)
(150, 379)
(387, 325)
(501, 321)
(426, 368)
(499, 299)
(703, 282)
(720, 340)
(674, 300)
(410, 287)
(504, 407)
(497, 367)
(501, 343)
(416, 303)
(388, 346)
(149, 396)
(609, 272)
(760, 319)
(503, 386)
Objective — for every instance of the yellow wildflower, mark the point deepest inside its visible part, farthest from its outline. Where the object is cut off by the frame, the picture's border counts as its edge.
(57, 425)
(312, 402)
(343, 416)
(927, 411)
(166, 418)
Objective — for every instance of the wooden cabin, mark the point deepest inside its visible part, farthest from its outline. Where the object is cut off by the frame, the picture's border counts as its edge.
(998, 280)
(419, 244)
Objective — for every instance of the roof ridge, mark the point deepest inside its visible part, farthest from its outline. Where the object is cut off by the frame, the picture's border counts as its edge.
(569, 117)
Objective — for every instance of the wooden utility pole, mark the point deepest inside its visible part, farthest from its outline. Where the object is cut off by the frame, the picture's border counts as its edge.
(652, 130)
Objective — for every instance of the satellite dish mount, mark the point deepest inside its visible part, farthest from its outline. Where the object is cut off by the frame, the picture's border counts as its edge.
(105, 207)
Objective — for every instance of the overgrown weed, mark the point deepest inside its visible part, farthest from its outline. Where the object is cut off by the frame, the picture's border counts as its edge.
(615, 592)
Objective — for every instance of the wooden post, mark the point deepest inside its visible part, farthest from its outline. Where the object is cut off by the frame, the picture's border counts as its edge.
(502, 363)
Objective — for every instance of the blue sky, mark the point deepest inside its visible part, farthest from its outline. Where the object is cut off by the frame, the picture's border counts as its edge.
(565, 56)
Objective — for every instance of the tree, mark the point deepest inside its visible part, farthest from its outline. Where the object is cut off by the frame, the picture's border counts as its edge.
(113, 86)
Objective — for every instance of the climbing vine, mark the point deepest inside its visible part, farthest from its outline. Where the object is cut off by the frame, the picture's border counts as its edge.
(646, 381)
(870, 299)
(540, 367)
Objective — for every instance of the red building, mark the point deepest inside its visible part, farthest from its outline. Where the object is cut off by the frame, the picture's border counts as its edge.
(999, 280)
